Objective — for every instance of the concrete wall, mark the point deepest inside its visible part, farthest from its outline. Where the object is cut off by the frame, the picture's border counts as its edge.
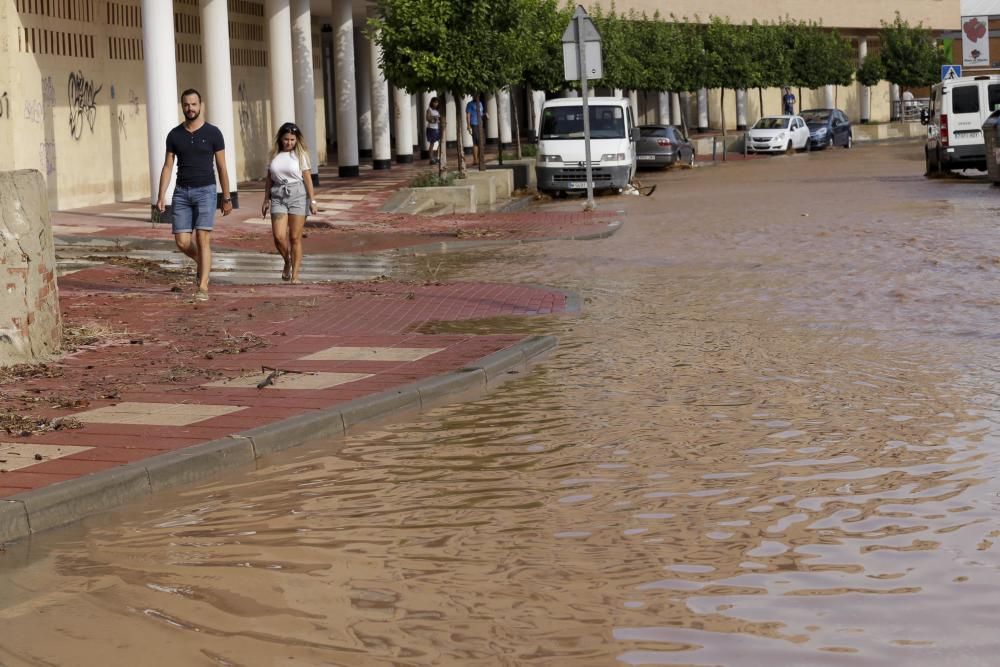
(936, 14)
(75, 90)
(30, 321)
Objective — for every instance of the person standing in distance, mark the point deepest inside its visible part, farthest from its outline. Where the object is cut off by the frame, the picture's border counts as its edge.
(474, 113)
(788, 102)
(195, 144)
(433, 119)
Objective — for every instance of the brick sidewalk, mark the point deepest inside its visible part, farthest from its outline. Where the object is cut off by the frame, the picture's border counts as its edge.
(170, 374)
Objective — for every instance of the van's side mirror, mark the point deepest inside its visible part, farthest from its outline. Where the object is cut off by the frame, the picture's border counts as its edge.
(925, 116)
(633, 135)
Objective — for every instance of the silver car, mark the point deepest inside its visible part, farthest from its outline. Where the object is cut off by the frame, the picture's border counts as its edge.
(663, 146)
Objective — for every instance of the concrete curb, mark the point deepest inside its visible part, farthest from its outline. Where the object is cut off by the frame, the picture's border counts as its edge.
(60, 504)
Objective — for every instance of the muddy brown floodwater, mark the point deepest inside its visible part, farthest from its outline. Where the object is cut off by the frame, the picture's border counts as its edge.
(769, 438)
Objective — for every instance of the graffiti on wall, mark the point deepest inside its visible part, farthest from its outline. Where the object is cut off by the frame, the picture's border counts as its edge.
(48, 93)
(33, 111)
(82, 103)
(122, 130)
(133, 101)
(244, 107)
(4, 105)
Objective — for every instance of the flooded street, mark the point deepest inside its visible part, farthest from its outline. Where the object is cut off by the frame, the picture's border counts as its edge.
(769, 437)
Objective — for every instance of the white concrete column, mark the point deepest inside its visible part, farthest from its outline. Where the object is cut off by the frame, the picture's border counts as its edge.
(425, 102)
(618, 92)
(304, 81)
(538, 101)
(492, 120)
(703, 109)
(571, 92)
(828, 96)
(381, 140)
(504, 117)
(894, 101)
(219, 81)
(450, 131)
(633, 101)
(465, 134)
(278, 16)
(864, 92)
(675, 109)
(741, 109)
(404, 126)
(415, 126)
(663, 108)
(362, 51)
(162, 104)
(347, 102)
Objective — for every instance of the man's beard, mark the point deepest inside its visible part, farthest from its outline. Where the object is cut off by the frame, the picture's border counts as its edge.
(189, 116)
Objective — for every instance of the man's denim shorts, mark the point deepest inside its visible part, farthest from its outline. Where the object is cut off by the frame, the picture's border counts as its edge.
(194, 208)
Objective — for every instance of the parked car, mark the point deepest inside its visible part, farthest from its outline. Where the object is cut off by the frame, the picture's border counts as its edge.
(663, 146)
(778, 134)
(828, 127)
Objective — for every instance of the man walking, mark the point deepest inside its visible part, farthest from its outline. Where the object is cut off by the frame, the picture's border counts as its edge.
(195, 143)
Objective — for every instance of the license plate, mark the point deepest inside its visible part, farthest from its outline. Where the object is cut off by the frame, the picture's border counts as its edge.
(645, 157)
(578, 185)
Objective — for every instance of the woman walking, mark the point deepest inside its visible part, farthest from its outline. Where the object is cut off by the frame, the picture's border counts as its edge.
(433, 119)
(288, 195)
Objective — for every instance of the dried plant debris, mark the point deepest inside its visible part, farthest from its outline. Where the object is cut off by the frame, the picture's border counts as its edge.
(22, 372)
(238, 344)
(141, 266)
(19, 425)
(90, 334)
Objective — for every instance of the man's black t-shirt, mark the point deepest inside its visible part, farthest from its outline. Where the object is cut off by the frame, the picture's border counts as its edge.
(195, 153)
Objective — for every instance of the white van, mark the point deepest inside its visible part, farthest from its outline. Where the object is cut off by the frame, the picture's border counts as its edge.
(958, 109)
(561, 162)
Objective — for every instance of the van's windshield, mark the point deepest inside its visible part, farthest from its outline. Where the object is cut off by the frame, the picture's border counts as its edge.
(606, 122)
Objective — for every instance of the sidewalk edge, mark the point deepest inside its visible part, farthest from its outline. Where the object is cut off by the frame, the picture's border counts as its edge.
(64, 503)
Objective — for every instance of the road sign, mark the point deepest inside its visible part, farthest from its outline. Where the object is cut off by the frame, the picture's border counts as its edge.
(581, 29)
(949, 72)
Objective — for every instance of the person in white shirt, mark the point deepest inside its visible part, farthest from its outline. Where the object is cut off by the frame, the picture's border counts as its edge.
(288, 196)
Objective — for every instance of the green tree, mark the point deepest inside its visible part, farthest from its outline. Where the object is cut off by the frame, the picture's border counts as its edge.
(871, 71)
(910, 58)
(461, 46)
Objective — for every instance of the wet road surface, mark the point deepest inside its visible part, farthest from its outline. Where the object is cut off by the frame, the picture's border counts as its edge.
(768, 439)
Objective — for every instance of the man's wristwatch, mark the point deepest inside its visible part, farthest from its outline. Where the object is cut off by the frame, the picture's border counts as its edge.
(227, 201)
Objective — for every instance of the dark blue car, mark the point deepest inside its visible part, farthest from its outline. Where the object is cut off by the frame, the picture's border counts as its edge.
(828, 127)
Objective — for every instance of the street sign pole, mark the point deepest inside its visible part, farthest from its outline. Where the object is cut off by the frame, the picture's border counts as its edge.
(582, 55)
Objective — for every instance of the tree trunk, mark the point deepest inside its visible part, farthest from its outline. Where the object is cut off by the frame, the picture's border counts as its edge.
(442, 154)
(684, 118)
(516, 129)
(462, 173)
(722, 109)
(799, 100)
(500, 114)
(760, 95)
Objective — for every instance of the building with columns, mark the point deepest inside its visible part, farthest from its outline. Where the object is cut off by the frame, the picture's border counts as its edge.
(89, 88)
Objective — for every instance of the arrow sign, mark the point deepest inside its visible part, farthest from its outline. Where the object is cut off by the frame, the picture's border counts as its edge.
(949, 72)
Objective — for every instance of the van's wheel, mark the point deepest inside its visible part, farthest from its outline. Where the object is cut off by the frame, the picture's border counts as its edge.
(930, 165)
(850, 142)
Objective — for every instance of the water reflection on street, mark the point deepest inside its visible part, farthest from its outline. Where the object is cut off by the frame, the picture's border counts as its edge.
(769, 438)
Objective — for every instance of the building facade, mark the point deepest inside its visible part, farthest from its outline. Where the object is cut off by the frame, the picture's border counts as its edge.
(89, 88)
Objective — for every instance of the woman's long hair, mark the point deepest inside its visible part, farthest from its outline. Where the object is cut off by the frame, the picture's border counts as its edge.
(301, 150)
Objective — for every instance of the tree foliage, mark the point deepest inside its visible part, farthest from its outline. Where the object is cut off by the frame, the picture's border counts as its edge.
(871, 71)
(909, 55)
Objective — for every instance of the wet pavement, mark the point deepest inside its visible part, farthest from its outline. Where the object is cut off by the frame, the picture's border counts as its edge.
(768, 438)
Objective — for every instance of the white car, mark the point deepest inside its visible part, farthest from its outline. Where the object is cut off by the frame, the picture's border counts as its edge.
(778, 134)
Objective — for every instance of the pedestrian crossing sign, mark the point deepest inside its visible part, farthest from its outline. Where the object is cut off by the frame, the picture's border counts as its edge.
(949, 72)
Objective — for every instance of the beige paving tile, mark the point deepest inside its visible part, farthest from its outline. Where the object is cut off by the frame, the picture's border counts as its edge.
(339, 205)
(319, 380)
(155, 414)
(17, 455)
(372, 353)
(340, 197)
